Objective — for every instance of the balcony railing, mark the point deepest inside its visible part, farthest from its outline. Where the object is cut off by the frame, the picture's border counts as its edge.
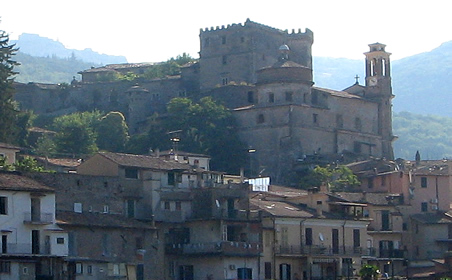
(313, 250)
(221, 247)
(23, 249)
(170, 216)
(236, 214)
(384, 253)
(40, 218)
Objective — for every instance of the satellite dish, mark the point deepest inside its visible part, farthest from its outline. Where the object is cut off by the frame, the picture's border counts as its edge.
(321, 237)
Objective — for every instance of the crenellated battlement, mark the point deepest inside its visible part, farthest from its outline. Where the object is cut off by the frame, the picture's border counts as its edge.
(248, 23)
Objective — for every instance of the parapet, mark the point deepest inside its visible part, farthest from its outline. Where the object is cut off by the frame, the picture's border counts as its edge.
(248, 23)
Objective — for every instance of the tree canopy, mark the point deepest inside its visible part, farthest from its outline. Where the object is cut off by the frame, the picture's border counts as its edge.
(336, 178)
(8, 110)
(76, 134)
(204, 127)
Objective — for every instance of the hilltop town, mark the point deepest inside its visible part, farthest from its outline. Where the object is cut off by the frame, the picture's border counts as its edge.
(168, 215)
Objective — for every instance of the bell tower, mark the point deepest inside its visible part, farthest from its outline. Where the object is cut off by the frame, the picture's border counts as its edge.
(379, 89)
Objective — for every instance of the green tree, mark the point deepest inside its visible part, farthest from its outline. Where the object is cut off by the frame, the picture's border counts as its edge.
(169, 68)
(45, 146)
(8, 109)
(209, 128)
(4, 165)
(368, 272)
(76, 133)
(336, 178)
(112, 132)
(28, 164)
(24, 121)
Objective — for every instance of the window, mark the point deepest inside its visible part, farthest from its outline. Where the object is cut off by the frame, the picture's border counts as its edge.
(424, 206)
(115, 269)
(167, 205)
(130, 208)
(206, 42)
(385, 221)
(289, 96)
(4, 244)
(260, 118)
(106, 240)
(186, 272)
(383, 181)
(271, 97)
(357, 147)
(315, 119)
(268, 270)
(138, 243)
(314, 98)
(224, 60)
(178, 206)
(223, 40)
(60, 240)
(308, 233)
(370, 183)
(131, 173)
(89, 269)
(339, 121)
(78, 207)
(106, 209)
(356, 238)
(250, 97)
(423, 182)
(242, 39)
(358, 125)
(284, 271)
(171, 178)
(244, 273)
(5, 267)
(3, 205)
(224, 81)
(78, 268)
(284, 236)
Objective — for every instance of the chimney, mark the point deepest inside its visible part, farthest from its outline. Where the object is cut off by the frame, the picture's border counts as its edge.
(318, 208)
(157, 152)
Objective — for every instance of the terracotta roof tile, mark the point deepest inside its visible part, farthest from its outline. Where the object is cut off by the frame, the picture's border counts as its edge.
(281, 209)
(12, 181)
(143, 161)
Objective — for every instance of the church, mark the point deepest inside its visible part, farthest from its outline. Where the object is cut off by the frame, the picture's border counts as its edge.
(264, 76)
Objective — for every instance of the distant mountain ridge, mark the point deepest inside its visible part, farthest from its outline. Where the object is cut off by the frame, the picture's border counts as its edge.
(36, 45)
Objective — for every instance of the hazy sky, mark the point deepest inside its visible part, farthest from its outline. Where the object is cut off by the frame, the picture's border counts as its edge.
(150, 31)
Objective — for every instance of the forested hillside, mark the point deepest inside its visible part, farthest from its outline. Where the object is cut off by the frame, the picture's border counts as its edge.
(51, 70)
(431, 135)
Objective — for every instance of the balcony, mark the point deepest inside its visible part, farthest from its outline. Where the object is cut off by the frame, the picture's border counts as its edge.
(243, 215)
(170, 216)
(229, 248)
(38, 218)
(384, 253)
(24, 249)
(316, 250)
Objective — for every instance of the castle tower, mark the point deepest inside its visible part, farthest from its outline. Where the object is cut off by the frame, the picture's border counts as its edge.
(379, 89)
(234, 53)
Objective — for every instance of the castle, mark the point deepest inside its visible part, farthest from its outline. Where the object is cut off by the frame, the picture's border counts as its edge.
(264, 75)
